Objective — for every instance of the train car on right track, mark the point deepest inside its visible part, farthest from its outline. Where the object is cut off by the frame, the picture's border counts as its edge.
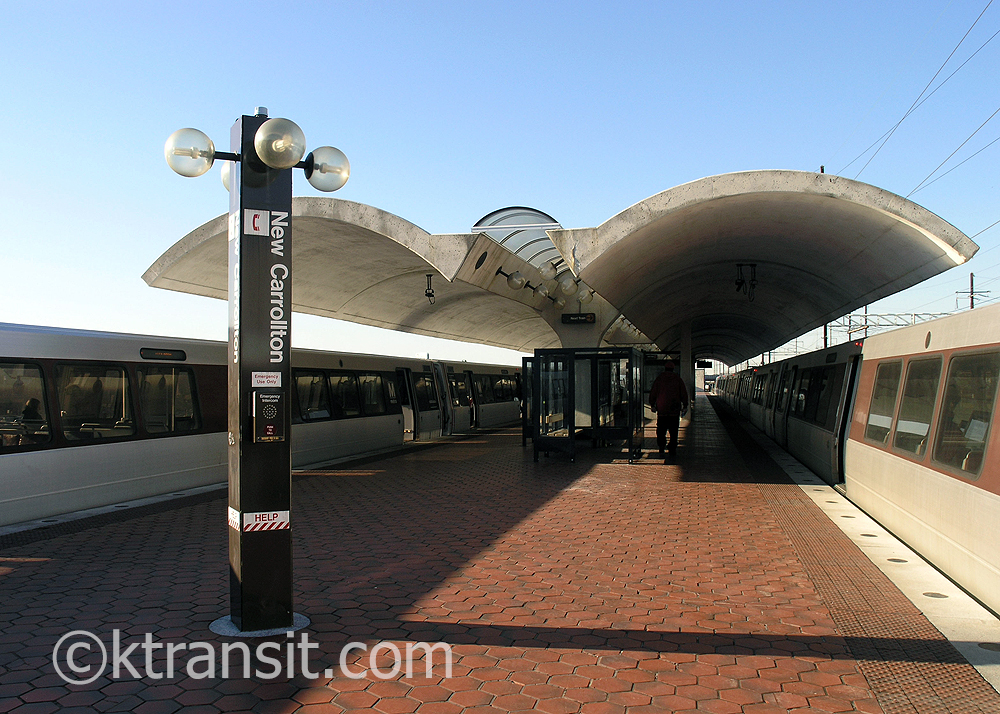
(922, 458)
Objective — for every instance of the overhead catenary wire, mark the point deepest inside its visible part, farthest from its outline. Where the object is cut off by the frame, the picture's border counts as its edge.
(921, 184)
(990, 281)
(921, 188)
(922, 101)
(924, 90)
(885, 91)
(984, 230)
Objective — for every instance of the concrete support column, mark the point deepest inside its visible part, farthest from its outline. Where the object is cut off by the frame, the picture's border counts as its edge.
(686, 367)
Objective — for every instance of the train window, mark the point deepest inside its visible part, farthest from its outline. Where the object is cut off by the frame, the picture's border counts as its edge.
(389, 381)
(344, 397)
(497, 385)
(23, 418)
(759, 383)
(916, 407)
(815, 393)
(503, 389)
(484, 389)
(167, 399)
(314, 397)
(829, 396)
(966, 411)
(883, 403)
(784, 387)
(799, 392)
(423, 384)
(772, 390)
(372, 394)
(459, 390)
(94, 402)
(401, 388)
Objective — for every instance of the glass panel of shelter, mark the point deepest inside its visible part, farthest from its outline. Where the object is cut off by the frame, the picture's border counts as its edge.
(527, 410)
(553, 400)
(586, 393)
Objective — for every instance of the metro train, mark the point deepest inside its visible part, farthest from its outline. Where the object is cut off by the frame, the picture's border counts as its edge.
(901, 422)
(89, 419)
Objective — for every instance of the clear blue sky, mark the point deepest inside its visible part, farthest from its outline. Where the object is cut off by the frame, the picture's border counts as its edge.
(448, 111)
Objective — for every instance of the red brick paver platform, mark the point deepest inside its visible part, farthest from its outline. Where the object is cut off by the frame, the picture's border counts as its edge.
(708, 585)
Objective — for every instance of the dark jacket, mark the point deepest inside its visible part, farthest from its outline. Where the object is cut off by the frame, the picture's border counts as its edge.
(668, 394)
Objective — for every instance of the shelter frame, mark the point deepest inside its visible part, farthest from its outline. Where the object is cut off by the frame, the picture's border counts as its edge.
(585, 393)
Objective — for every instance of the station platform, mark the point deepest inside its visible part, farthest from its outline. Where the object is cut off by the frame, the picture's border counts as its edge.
(711, 584)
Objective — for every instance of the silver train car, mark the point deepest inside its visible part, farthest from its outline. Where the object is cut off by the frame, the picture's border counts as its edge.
(89, 419)
(802, 403)
(922, 458)
(903, 425)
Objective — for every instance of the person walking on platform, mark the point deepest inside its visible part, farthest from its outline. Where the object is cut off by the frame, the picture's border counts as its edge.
(668, 397)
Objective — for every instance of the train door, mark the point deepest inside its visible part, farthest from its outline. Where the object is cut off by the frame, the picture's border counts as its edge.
(445, 401)
(743, 405)
(847, 407)
(404, 382)
(770, 401)
(465, 397)
(781, 406)
(458, 384)
(427, 404)
(475, 403)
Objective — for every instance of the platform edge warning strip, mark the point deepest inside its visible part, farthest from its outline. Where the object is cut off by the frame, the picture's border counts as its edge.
(883, 629)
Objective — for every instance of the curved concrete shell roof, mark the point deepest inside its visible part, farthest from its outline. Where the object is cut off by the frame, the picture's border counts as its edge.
(359, 263)
(666, 267)
(822, 246)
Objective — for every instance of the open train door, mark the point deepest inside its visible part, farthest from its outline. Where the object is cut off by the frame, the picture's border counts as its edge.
(473, 400)
(782, 405)
(404, 382)
(844, 427)
(445, 400)
(460, 388)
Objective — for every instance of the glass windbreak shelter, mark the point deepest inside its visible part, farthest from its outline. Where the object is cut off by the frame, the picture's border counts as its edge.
(580, 394)
(527, 389)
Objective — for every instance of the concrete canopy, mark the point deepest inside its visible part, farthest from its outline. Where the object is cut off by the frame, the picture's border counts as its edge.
(662, 271)
(822, 245)
(358, 263)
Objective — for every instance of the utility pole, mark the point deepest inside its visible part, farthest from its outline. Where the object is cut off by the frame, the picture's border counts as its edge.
(973, 293)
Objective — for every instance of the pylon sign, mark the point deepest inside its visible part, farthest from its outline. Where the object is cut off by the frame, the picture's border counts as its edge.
(259, 359)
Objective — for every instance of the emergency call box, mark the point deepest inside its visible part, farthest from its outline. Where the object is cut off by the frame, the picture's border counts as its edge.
(268, 416)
